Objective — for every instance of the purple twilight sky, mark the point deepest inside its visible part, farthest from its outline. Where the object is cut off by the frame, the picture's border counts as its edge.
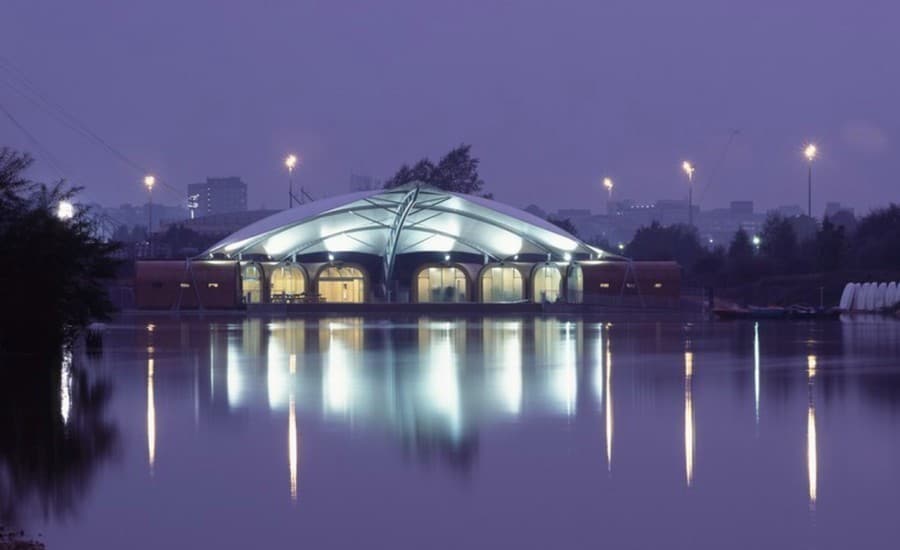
(552, 95)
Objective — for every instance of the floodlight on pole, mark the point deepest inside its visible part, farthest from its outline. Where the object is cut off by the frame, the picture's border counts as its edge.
(810, 153)
(149, 182)
(608, 185)
(290, 162)
(689, 170)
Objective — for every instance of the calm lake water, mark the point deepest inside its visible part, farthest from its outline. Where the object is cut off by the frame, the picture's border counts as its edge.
(484, 433)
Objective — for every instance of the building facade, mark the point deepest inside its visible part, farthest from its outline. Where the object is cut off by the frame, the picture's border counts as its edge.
(413, 243)
(217, 196)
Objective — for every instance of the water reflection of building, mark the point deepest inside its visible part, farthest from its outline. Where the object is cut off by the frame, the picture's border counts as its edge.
(437, 383)
(433, 384)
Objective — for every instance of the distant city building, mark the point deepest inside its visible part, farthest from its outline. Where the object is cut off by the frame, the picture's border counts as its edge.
(741, 207)
(131, 216)
(217, 196)
(788, 211)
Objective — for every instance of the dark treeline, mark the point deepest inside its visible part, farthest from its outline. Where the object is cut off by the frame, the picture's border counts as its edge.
(785, 247)
(53, 269)
(54, 434)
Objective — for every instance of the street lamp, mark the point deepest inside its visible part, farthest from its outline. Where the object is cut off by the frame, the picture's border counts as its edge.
(810, 153)
(756, 241)
(689, 170)
(608, 185)
(149, 182)
(290, 162)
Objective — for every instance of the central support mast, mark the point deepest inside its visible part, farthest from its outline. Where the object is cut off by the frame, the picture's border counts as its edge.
(390, 252)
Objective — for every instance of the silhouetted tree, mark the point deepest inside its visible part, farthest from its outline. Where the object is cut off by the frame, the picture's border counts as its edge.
(830, 244)
(741, 261)
(779, 243)
(680, 243)
(52, 269)
(457, 171)
(876, 238)
(845, 219)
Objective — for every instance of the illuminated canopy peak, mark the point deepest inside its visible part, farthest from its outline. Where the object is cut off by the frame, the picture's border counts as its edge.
(407, 219)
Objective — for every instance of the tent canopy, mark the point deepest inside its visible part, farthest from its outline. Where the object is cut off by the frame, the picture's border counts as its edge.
(407, 219)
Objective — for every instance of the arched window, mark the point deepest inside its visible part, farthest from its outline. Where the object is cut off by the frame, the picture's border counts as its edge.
(441, 284)
(545, 283)
(575, 284)
(501, 283)
(251, 283)
(342, 284)
(287, 284)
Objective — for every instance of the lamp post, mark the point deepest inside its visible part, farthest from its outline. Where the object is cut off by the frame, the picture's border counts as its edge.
(608, 185)
(810, 154)
(689, 170)
(150, 181)
(290, 162)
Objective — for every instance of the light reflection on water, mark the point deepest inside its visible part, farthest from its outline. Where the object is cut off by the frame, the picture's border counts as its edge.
(552, 392)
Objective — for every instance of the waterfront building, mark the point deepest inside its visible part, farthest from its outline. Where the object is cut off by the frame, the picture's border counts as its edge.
(414, 243)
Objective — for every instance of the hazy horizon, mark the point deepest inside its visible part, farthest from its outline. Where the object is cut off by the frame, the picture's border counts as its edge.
(552, 97)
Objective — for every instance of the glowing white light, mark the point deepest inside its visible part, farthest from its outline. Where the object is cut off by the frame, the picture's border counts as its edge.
(342, 243)
(558, 241)
(440, 243)
(65, 386)
(609, 407)
(292, 447)
(567, 257)
(65, 210)
(234, 377)
(277, 380)
(441, 383)
(756, 368)
(565, 376)
(811, 454)
(810, 152)
(507, 244)
(238, 244)
(688, 418)
(151, 417)
(280, 243)
(337, 380)
(598, 370)
(503, 346)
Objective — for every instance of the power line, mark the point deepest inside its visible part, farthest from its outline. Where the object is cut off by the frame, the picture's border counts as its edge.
(51, 160)
(30, 91)
(733, 133)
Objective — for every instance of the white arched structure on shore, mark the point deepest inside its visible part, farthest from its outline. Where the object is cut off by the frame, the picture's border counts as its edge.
(411, 218)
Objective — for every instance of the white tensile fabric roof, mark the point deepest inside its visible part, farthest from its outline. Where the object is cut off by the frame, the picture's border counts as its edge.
(429, 220)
